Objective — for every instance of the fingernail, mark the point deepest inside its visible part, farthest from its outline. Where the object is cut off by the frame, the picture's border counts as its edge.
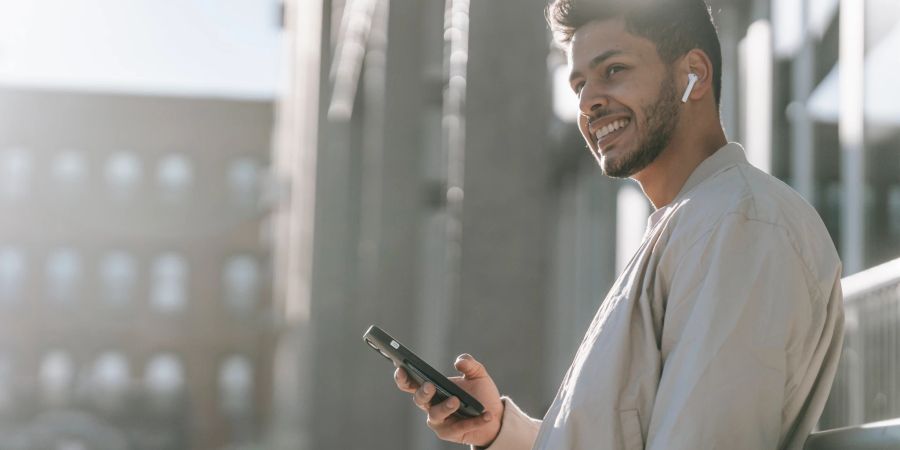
(465, 356)
(428, 388)
(487, 417)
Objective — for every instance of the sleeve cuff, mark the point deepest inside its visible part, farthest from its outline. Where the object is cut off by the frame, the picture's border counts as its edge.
(517, 430)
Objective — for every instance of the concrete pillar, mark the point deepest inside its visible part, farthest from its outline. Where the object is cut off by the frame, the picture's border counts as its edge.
(391, 205)
(506, 213)
(851, 128)
(802, 133)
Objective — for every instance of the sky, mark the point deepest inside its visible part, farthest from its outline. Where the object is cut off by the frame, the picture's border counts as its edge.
(206, 48)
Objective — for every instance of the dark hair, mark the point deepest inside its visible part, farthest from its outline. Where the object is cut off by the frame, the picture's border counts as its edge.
(675, 26)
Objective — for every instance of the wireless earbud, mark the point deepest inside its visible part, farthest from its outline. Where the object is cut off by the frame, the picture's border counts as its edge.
(692, 77)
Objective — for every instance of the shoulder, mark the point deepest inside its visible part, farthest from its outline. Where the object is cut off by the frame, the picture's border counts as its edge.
(744, 199)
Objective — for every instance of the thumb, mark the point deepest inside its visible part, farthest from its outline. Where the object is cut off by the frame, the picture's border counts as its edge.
(469, 367)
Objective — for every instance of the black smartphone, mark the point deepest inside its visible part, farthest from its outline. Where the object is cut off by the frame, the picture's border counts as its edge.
(420, 371)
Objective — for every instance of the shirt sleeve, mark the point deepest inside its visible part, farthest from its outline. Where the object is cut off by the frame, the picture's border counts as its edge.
(738, 300)
(517, 431)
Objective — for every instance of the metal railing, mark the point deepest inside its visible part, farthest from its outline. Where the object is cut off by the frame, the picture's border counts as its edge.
(867, 386)
(874, 436)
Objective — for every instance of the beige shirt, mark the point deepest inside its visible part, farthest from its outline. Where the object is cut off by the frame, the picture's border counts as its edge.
(723, 332)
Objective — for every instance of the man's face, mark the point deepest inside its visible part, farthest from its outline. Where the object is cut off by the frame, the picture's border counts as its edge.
(627, 97)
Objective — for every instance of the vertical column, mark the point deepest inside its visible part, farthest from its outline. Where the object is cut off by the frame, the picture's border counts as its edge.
(802, 81)
(506, 215)
(757, 74)
(850, 129)
(729, 110)
(391, 202)
(294, 161)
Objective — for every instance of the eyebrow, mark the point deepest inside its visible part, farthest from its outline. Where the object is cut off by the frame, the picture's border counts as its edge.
(597, 60)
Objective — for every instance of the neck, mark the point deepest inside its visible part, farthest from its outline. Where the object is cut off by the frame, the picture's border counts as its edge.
(663, 179)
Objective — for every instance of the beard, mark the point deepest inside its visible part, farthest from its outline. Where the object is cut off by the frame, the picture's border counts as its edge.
(660, 120)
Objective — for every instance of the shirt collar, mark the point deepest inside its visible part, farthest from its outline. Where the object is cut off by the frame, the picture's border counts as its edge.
(729, 155)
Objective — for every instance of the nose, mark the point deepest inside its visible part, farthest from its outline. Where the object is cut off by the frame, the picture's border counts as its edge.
(591, 100)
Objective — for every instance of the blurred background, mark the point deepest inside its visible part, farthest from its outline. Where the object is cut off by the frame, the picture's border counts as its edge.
(205, 203)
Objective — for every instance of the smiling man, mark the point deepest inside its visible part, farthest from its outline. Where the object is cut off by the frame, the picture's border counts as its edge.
(725, 329)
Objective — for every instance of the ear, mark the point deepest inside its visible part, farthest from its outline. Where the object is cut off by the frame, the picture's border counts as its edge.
(697, 62)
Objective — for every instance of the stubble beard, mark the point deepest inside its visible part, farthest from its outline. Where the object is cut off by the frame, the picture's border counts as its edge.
(661, 118)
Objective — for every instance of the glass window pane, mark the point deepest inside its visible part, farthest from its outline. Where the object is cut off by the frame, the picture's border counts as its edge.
(118, 277)
(236, 385)
(242, 281)
(123, 173)
(174, 176)
(243, 180)
(110, 380)
(57, 373)
(170, 283)
(63, 275)
(12, 274)
(164, 380)
(15, 172)
(69, 170)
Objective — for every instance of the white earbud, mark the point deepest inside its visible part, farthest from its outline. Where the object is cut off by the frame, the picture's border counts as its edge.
(692, 77)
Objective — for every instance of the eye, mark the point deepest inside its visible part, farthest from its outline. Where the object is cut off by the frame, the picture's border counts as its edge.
(577, 88)
(614, 69)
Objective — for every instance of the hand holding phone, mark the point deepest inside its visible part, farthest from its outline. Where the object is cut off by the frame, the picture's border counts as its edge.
(449, 416)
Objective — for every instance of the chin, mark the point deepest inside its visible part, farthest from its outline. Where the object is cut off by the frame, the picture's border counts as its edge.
(622, 165)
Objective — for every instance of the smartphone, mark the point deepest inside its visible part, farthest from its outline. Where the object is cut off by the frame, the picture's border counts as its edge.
(421, 372)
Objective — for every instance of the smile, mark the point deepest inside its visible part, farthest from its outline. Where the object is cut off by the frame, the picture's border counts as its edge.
(602, 133)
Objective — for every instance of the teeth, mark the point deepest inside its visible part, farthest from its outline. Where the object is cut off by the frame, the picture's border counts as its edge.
(601, 133)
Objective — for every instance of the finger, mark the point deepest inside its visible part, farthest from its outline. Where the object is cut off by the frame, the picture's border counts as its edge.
(437, 414)
(423, 395)
(456, 429)
(404, 382)
(469, 367)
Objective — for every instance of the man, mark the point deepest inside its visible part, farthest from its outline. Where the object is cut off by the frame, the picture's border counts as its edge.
(725, 329)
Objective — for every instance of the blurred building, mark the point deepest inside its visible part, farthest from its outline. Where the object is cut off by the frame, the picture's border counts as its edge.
(439, 188)
(135, 279)
(132, 277)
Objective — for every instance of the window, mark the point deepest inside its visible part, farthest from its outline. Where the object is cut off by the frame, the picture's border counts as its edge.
(236, 386)
(64, 274)
(174, 175)
(110, 379)
(57, 372)
(164, 381)
(242, 281)
(69, 170)
(12, 274)
(15, 172)
(243, 180)
(170, 283)
(118, 277)
(123, 173)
